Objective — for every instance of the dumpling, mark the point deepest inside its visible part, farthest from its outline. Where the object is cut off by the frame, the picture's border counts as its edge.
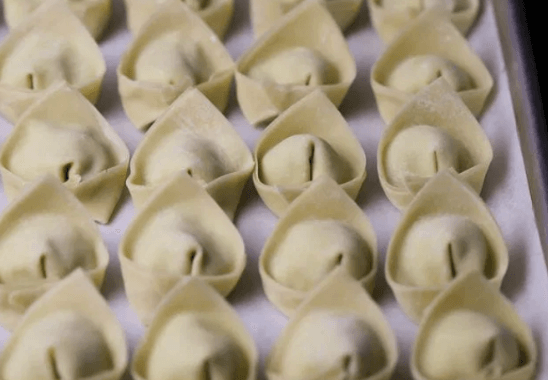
(192, 137)
(433, 132)
(69, 333)
(173, 51)
(337, 333)
(496, 343)
(195, 334)
(304, 51)
(446, 231)
(51, 46)
(63, 135)
(180, 233)
(45, 234)
(95, 14)
(429, 56)
(217, 14)
(322, 231)
(390, 17)
(309, 140)
(265, 14)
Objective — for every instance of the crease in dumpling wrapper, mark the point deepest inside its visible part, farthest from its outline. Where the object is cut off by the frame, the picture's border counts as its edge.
(439, 106)
(443, 195)
(180, 206)
(145, 101)
(217, 14)
(323, 201)
(94, 14)
(51, 43)
(193, 116)
(313, 115)
(390, 22)
(194, 298)
(61, 106)
(339, 295)
(265, 13)
(77, 295)
(308, 25)
(44, 197)
(418, 39)
(472, 292)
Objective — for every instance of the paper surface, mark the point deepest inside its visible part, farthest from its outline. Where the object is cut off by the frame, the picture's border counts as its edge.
(506, 190)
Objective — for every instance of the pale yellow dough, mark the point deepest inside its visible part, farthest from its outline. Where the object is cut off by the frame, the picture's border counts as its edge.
(391, 17)
(192, 137)
(217, 14)
(46, 234)
(173, 51)
(195, 334)
(69, 333)
(49, 47)
(433, 132)
(180, 232)
(323, 230)
(63, 135)
(304, 51)
(446, 231)
(337, 333)
(427, 56)
(94, 14)
(495, 343)
(308, 140)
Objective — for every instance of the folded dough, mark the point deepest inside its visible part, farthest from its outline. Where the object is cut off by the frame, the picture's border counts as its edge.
(69, 333)
(45, 235)
(217, 14)
(50, 46)
(321, 231)
(180, 233)
(95, 14)
(433, 132)
(338, 332)
(447, 230)
(173, 51)
(62, 134)
(390, 17)
(305, 50)
(265, 13)
(496, 343)
(194, 137)
(428, 56)
(308, 140)
(195, 334)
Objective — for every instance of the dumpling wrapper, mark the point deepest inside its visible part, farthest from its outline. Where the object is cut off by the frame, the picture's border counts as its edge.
(95, 14)
(443, 202)
(308, 140)
(64, 135)
(46, 234)
(195, 334)
(181, 232)
(51, 46)
(307, 39)
(192, 136)
(331, 336)
(390, 17)
(217, 14)
(265, 13)
(493, 329)
(434, 131)
(332, 228)
(173, 51)
(418, 40)
(70, 332)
